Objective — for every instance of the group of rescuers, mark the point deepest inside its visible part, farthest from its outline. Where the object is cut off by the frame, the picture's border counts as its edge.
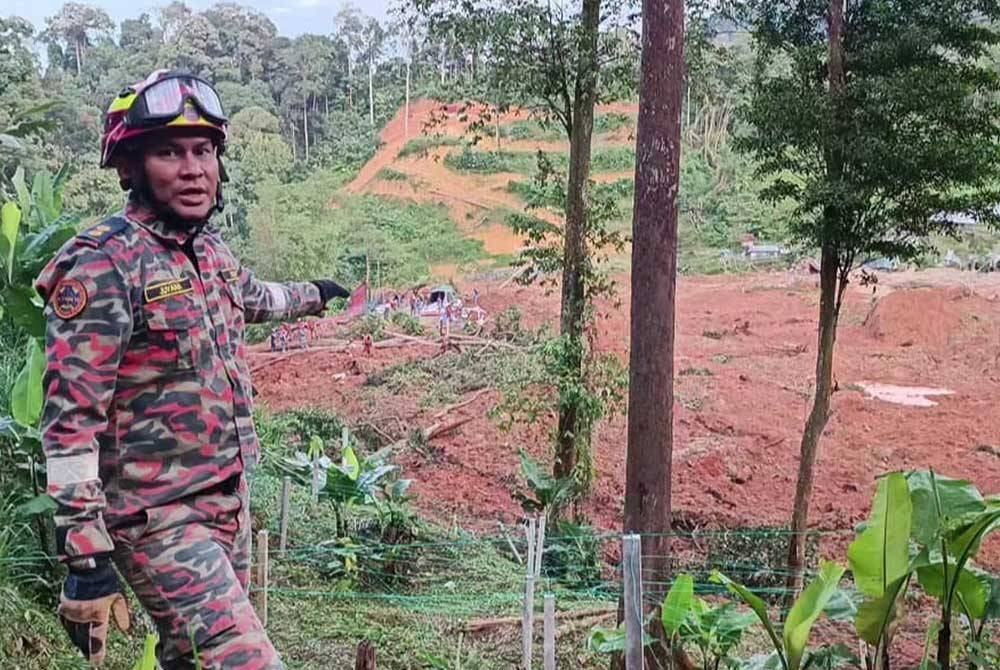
(147, 424)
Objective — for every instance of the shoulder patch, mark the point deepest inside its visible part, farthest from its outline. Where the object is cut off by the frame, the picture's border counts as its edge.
(69, 299)
(102, 232)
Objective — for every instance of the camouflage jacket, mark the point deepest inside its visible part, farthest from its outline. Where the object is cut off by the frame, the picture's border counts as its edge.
(147, 388)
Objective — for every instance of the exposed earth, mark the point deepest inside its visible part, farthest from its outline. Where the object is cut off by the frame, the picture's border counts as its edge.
(745, 365)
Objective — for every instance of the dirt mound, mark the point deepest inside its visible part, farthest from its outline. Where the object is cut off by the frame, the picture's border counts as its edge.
(929, 317)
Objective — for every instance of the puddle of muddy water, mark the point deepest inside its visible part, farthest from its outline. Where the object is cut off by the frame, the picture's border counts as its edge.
(911, 396)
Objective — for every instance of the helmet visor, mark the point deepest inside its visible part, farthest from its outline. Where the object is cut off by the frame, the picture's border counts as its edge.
(164, 100)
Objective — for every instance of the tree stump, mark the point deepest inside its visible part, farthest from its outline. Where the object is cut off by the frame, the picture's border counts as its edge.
(366, 656)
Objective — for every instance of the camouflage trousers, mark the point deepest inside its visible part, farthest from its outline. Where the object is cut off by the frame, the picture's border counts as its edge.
(188, 563)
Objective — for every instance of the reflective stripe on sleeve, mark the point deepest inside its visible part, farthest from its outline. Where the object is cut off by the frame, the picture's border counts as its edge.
(278, 296)
(63, 470)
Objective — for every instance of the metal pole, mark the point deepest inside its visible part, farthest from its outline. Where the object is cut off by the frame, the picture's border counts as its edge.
(632, 583)
(540, 546)
(286, 493)
(549, 644)
(528, 624)
(262, 576)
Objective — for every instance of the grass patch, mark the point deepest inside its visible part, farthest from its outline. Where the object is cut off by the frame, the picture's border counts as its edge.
(695, 372)
(493, 162)
(388, 174)
(612, 159)
(529, 129)
(612, 122)
(421, 145)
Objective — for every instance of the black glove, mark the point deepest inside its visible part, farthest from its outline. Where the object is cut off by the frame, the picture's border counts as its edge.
(88, 601)
(329, 289)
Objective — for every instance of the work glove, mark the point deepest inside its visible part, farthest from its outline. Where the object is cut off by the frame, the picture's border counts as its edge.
(329, 289)
(89, 599)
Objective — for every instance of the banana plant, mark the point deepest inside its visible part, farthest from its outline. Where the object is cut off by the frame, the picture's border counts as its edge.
(951, 520)
(33, 228)
(880, 561)
(790, 649)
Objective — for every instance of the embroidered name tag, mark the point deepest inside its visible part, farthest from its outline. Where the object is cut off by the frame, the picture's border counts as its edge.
(167, 289)
(231, 275)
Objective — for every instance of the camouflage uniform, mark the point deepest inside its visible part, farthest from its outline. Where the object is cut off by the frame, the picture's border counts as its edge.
(147, 426)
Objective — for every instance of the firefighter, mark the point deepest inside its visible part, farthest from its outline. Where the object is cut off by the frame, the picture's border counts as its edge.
(147, 426)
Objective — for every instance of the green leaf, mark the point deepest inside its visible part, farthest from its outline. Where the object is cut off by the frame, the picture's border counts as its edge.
(44, 200)
(992, 612)
(876, 614)
(40, 504)
(23, 196)
(937, 499)
(148, 659)
(880, 555)
(964, 539)
(26, 396)
(606, 640)
(40, 246)
(759, 608)
(10, 223)
(19, 302)
(677, 604)
(315, 448)
(843, 606)
(807, 609)
(59, 184)
(972, 588)
(349, 464)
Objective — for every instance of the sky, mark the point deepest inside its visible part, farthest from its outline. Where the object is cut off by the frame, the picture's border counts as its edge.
(292, 17)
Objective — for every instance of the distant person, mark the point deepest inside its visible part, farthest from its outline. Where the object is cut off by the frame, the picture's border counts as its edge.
(147, 425)
(475, 297)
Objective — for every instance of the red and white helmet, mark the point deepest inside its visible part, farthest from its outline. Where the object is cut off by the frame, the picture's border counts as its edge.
(164, 99)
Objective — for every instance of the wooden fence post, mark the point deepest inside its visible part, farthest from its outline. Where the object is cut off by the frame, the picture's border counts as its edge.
(632, 584)
(286, 493)
(549, 644)
(262, 577)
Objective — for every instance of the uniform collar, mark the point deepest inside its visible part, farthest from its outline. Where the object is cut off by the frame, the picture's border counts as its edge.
(144, 216)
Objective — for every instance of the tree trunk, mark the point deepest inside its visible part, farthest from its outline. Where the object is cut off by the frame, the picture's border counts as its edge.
(350, 82)
(575, 252)
(406, 117)
(79, 56)
(829, 307)
(444, 57)
(326, 106)
(305, 126)
(654, 284)
(371, 89)
(365, 657)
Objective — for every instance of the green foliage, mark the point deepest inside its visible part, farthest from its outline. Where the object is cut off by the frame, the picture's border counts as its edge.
(407, 323)
(911, 136)
(808, 607)
(715, 630)
(422, 145)
(294, 227)
(545, 493)
(612, 122)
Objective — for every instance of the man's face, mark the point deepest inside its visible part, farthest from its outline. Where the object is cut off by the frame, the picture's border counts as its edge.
(182, 170)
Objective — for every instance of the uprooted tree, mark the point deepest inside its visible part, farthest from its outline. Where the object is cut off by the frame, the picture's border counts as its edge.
(878, 123)
(558, 63)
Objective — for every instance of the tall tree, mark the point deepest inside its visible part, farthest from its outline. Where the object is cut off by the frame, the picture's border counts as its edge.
(879, 123)
(654, 283)
(554, 61)
(245, 39)
(77, 25)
